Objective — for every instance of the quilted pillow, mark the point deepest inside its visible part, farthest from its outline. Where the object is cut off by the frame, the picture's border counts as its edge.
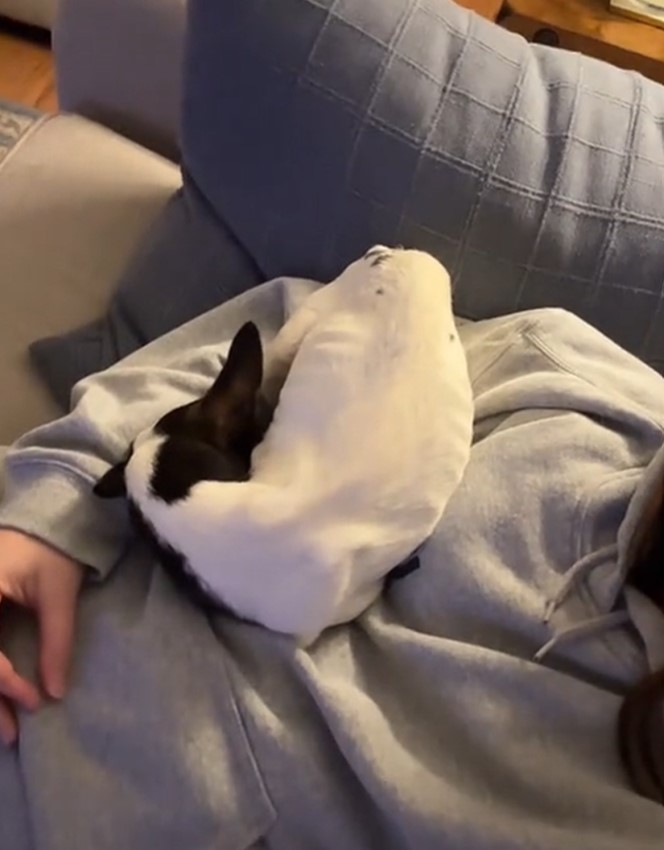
(315, 128)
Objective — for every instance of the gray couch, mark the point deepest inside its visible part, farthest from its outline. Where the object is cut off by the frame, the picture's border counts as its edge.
(76, 198)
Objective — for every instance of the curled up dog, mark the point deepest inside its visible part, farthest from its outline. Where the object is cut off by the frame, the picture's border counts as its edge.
(289, 493)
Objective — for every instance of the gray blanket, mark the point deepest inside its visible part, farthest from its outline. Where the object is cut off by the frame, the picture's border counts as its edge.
(426, 724)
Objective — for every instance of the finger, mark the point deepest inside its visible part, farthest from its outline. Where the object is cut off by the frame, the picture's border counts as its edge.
(57, 617)
(15, 688)
(8, 724)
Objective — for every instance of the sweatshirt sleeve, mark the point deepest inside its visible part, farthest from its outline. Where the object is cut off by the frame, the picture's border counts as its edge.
(50, 472)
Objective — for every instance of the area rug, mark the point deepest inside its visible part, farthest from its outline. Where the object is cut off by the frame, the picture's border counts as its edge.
(15, 121)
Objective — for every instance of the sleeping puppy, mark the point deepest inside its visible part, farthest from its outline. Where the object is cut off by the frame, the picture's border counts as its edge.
(370, 437)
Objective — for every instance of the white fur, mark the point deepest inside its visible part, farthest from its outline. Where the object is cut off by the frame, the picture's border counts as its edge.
(370, 438)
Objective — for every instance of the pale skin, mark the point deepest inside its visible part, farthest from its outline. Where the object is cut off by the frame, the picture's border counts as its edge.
(37, 577)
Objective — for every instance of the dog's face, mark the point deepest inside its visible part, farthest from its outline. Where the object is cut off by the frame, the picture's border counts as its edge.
(211, 438)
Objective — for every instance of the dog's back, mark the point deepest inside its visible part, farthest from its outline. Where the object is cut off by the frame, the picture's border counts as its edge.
(370, 438)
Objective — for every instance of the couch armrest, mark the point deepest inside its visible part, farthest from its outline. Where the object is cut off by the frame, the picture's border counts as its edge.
(119, 62)
(75, 203)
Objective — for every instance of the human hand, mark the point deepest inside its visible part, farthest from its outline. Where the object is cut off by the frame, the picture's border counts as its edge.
(37, 577)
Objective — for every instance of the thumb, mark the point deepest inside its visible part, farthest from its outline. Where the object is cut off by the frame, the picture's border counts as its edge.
(56, 612)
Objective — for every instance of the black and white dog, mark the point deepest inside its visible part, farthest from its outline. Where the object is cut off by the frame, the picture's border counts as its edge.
(297, 527)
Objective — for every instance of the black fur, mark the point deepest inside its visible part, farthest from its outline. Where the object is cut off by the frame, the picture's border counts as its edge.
(176, 568)
(210, 439)
(402, 570)
(112, 485)
(182, 462)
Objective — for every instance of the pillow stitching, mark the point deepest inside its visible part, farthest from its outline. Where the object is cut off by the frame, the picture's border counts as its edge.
(548, 203)
(426, 148)
(619, 198)
(333, 234)
(494, 158)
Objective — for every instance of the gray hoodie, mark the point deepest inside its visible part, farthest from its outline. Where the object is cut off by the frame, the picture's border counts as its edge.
(473, 707)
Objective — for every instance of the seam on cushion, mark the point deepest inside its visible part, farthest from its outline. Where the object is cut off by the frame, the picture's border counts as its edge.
(366, 115)
(499, 181)
(441, 80)
(304, 80)
(408, 60)
(375, 120)
(564, 135)
(495, 155)
(122, 311)
(621, 190)
(331, 12)
(13, 151)
(548, 203)
(619, 287)
(622, 216)
(367, 120)
(604, 95)
(185, 197)
(426, 148)
(442, 19)
(445, 22)
(564, 275)
(339, 15)
(615, 216)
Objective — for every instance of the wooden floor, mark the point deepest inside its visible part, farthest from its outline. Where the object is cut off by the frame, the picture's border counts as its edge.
(26, 67)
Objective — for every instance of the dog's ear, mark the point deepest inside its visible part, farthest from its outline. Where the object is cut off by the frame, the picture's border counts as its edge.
(235, 391)
(112, 484)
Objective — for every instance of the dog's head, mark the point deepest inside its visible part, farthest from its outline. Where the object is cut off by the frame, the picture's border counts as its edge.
(209, 439)
(382, 264)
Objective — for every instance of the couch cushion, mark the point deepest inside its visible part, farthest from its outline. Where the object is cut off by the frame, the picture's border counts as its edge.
(75, 200)
(188, 264)
(318, 127)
